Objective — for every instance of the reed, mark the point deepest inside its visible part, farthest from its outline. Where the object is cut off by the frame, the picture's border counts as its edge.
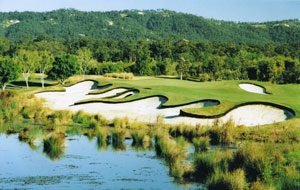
(118, 137)
(121, 122)
(54, 146)
(102, 135)
(174, 154)
(201, 144)
(227, 181)
(138, 137)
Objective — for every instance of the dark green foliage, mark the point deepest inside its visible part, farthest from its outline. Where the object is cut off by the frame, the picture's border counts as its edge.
(9, 70)
(64, 67)
(151, 24)
(53, 146)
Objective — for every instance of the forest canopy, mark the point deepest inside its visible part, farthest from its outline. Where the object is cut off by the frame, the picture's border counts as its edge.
(137, 25)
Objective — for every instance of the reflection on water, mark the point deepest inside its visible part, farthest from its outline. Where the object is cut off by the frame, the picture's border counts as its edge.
(84, 164)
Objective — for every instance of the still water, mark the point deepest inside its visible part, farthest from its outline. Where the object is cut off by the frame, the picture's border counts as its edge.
(82, 166)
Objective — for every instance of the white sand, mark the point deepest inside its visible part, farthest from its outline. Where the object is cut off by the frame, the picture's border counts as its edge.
(253, 88)
(146, 110)
(75, 93)
(249, 115)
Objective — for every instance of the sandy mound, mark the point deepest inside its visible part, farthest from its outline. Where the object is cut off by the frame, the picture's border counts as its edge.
(146, 110)
(253, 88)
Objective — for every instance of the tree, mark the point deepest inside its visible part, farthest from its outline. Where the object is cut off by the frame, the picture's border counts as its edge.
(28, 61)
(142, 66)
(9, 71)
(44, 64)
(63, 67)
(182, 67)
(84, 59)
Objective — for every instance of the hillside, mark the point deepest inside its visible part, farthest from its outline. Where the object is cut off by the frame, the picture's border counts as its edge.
(136, 25)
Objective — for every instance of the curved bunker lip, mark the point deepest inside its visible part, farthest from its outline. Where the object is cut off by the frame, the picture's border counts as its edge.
(143, 109)
(253, 88)
(248, 114)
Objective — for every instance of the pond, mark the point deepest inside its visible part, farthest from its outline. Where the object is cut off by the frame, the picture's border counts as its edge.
(82, 166)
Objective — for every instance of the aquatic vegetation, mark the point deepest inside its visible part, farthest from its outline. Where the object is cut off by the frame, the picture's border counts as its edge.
(228, 181)
(173, 153)
(54, 146)
(101, 120)
(221, 133)
(102, 135)
(82, 118)
(138, 137)
(118, 137)
(120, 122)
(201, 144)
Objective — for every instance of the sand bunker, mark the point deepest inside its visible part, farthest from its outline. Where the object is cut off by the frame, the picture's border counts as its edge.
(75, 93)
(253, 88)
(146, 110)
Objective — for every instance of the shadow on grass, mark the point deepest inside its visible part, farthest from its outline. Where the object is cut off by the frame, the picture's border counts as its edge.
(32, 84)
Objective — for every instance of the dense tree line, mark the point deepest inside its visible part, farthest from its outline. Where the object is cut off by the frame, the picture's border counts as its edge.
(142, 25)
(201, 61)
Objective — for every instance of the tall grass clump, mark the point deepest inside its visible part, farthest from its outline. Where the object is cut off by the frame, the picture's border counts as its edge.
(160, 120)
(102, 121)
(9, 105)
(227, 181)
(206, 164)
(290, 180)
(118, 137)
(54, 146)
(201, 144)
(82, 118)
(255, 162)
(222, 133)
(121, 122)
(188, 131)
(102, 135)
(174, 154)
(138, 137)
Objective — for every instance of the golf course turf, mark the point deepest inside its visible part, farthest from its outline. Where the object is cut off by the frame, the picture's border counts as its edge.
(182, 92)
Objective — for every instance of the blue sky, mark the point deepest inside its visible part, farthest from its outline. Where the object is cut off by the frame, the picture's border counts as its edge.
(233, 10)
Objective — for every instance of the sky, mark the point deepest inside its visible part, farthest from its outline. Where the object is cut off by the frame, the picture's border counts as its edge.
(229, 10)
